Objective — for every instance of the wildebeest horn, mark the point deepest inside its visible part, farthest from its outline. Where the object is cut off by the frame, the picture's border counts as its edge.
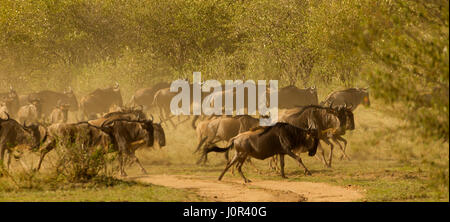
(116, 85)
(160, 120)
(331, 104)
(152, 117)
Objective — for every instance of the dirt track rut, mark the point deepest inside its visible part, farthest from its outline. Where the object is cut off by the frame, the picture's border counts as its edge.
(256, 191)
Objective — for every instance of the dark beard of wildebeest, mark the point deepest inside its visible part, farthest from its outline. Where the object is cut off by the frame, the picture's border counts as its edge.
(223, 129)
(145, 96)
(291, 96)
(12, 101)
(100, 100)
(280, 139)
(354, 96)
(330, 122)
(13, 133)
(49, 100)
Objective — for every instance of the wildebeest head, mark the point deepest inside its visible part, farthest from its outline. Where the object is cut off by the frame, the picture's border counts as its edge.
(312, 135)
(35, 132)
(345, 116)
(365, 96)
(159, 134)
(147, 125)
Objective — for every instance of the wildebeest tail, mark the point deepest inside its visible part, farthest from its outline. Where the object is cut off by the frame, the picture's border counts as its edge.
(218, 149)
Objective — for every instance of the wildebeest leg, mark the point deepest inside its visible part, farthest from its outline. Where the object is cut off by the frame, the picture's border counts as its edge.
(135, 159)
(282, 166)
(299, 160)
(170, 119)
(331, 150)
(200, 143)
(47, 148)
(227, 158)
(241, 161)
(231, 163)
(9, 160)
(322, 154)
(121, 165)
(273, 163)
(2, 153)
(337, 139)
(204, 157)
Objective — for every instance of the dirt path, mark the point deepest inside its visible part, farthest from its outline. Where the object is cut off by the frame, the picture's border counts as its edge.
(256, 191)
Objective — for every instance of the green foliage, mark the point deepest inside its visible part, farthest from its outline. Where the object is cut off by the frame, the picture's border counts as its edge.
(398, 48)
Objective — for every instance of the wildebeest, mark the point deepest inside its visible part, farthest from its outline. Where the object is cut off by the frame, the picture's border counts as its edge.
(279, 139)
(81, 134)
(145, 96)
(291, 96)
(100, 100)
(331, 123)
(13, 134)
(129, 135)
(354, 96)
(60, 113)
(222, 129)
(49, 100)
(30, 113)
(11, 100)
(129, 114)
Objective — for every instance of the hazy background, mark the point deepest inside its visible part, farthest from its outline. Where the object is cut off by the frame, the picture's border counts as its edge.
(397, 48)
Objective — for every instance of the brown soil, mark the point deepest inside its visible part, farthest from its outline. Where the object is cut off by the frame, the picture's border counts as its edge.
(256, 191)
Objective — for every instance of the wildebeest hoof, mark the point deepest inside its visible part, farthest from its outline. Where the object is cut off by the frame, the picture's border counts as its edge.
(308, 173)
(247, 181)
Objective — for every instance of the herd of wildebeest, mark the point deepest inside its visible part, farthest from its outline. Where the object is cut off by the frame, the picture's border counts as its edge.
(39, 122)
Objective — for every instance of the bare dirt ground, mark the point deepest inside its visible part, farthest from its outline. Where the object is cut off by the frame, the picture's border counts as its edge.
(256, 191)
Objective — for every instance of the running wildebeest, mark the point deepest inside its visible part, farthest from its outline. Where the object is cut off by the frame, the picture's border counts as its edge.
(132, 114)
(291, 96)
(354, 96)
(60, 113)
(280, 139)
(145, 96)
(330, 122)
(125, 136)
(49, 100)
(223, 129)
(13, 134)
(11, 100)
(163, 98)
(81, 134)
(100, 100)
(30, 113)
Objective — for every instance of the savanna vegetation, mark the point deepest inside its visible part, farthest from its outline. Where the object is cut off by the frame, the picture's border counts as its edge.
(400, 49)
